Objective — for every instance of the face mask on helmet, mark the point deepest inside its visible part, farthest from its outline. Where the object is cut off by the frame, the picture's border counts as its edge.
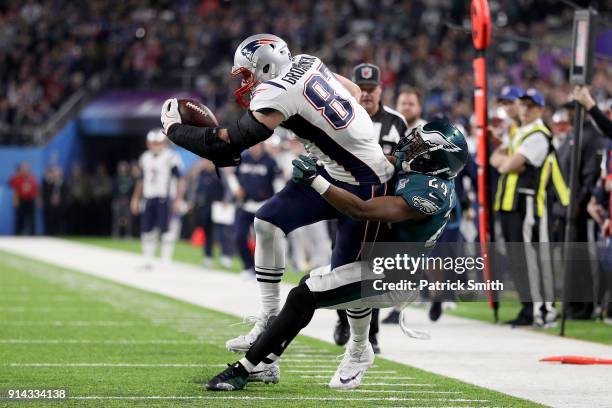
(247, 84)
(407, 149)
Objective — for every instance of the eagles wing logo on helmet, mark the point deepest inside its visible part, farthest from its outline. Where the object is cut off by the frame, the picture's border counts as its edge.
(249, 49)
(436, 140)
(425, 205)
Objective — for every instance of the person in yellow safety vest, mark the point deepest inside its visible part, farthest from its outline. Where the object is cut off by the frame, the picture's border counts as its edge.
(527, 163)
(508, 100)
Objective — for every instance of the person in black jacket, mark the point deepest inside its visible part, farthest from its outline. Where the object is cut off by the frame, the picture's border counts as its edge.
(583, 97)
(54, 197)
(590, 152)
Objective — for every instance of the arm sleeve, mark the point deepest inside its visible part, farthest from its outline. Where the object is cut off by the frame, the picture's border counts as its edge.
(535, 149)
(602, 122)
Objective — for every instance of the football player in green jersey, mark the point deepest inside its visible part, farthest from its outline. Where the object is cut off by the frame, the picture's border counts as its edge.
(426, 162)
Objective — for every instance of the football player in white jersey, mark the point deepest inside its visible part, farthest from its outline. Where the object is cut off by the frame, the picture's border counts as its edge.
(159, 193)
(300, 94)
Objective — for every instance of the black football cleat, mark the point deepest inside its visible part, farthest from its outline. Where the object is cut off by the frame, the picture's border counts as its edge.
(233, 378)
(392, 317)
(435, 311)
(374, 343)
(520, 321)
(342, 333)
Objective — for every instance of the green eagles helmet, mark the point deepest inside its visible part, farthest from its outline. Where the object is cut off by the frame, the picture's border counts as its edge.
(437, 148)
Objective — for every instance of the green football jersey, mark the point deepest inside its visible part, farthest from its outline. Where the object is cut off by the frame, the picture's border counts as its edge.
(429, 195)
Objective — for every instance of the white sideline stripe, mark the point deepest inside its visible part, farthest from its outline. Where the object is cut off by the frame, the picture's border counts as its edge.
(68, 323)
(368, 377)
(77, 341)
(310, 355)
(112, 365)
(199, 397)
(333, 371)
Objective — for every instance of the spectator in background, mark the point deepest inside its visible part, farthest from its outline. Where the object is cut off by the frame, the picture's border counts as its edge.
(210, 189)
(25, 194)
(254, 184)
(101, 196)
(54, 199)
(588, 175)
(409, 105)
(123, 187)
(583, 97)
(519, 204)
(79, 196)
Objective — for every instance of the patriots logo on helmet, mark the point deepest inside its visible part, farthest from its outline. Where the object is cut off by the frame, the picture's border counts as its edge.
(436, 140)
(249, 49)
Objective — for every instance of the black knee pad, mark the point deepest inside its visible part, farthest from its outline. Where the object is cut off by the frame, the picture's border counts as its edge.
(304, 278)
(302, 301)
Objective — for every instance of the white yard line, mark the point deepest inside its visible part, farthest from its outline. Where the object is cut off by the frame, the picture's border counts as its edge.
(494, 357)
(118, 365)
(102, 323)
(305, 360)
(368, 376)
(396, 385)
(77, 341)
(334, 370)
(255, 398)
(365, 390)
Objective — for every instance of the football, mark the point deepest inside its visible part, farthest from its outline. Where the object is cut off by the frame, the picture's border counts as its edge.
(195, 113)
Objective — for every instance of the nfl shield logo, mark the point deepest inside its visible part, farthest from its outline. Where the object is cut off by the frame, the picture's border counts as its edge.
(366, 72)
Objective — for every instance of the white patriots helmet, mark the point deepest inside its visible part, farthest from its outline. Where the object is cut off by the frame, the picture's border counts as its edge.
(156, 135)
(257, 59)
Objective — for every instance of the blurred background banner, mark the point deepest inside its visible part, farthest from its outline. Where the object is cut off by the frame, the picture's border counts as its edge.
(120, 112)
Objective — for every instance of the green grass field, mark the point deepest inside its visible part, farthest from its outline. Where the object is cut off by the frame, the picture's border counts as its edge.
(596, 331)
(113, 346)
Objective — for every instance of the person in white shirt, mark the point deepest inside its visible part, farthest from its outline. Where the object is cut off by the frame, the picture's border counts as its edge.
(158, 196)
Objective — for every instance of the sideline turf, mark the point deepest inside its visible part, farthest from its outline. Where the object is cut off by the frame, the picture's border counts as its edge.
(595, 331)
(62, 309)
(184, 252)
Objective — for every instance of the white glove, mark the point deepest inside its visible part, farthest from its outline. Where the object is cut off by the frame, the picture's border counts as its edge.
(170, 114)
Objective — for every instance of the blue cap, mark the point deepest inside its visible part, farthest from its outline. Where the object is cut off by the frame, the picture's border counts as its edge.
(534, 95)
(510, 93)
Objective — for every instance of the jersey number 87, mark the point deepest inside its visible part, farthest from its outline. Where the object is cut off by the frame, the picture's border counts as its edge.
(337, 110)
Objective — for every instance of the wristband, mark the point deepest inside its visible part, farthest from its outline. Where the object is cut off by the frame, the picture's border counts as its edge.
(320, 185)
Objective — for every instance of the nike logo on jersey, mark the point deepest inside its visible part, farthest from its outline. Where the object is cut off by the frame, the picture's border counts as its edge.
(348, 380)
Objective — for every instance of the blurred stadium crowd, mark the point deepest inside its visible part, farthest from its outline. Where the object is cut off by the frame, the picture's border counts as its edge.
(189, 44)
(47, 56)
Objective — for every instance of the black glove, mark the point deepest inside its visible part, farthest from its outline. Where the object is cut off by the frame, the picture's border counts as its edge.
(304, 170)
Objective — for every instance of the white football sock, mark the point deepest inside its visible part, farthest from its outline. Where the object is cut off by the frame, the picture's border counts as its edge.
(359, 321)
(246, 364)
(149, 245)
(169, 238)
(269, 264)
